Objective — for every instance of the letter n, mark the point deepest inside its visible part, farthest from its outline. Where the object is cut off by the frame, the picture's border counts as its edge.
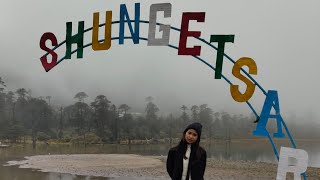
(272, 97)
(124, 15)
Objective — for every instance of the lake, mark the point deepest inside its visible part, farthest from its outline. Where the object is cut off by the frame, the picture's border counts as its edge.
(258, 150)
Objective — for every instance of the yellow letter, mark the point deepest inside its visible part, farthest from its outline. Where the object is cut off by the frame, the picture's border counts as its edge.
(234, 89)
(107, 33)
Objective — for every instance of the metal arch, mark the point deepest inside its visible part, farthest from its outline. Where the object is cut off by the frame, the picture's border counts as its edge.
(209, 44)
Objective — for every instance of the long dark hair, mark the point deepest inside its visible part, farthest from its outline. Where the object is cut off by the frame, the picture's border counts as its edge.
(183, 145)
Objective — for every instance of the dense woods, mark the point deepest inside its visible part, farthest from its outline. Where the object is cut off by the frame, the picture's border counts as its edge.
(24, 118)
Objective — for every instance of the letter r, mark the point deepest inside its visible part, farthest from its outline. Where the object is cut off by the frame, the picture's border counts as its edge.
(301, 164)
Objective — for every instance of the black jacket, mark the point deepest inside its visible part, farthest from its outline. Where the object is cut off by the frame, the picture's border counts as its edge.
(197, 163)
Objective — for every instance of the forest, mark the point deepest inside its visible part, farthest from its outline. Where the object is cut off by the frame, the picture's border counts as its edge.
(24, 118)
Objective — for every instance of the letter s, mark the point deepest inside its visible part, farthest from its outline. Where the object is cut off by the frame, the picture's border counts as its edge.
(48, 36)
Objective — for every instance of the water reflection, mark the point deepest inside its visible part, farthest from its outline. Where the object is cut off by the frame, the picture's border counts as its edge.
(15, 173)
(260, 151)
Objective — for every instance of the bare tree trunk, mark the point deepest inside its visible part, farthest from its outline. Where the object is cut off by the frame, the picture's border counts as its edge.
(34, 138)
(60, 125)
(34, 134)
(117, 127)
(84, 139)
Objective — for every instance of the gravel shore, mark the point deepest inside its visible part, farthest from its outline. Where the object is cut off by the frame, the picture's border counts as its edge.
(148, 167)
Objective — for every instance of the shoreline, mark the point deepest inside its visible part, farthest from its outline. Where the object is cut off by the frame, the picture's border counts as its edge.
(147, 167)
(162, 141)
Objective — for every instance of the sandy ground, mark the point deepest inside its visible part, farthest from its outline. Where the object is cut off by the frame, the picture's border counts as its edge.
(148, 167)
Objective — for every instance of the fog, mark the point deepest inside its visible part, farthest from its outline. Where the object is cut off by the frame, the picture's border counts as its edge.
(281, 36)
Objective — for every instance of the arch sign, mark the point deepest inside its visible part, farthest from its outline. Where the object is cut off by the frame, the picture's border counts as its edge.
(133, 24)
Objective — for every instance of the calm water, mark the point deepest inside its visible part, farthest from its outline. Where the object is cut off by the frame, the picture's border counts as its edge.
(244, 150)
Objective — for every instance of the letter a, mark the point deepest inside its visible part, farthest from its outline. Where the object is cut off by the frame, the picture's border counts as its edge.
(272, 97)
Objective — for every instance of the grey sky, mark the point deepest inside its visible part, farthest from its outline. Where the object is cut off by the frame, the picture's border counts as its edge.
(281, 36)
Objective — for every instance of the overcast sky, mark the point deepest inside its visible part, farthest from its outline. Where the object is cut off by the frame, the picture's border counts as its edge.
(281, 36)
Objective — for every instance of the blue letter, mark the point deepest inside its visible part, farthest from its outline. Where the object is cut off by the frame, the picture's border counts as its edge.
(124, 14)
(272, 97)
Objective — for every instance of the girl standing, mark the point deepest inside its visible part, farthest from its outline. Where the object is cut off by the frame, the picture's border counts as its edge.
(187, 160)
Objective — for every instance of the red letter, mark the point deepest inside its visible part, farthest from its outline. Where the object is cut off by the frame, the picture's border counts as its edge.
(48, 35)
(186, 17)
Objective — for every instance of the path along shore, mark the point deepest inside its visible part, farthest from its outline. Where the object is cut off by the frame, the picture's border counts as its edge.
(148, 167)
